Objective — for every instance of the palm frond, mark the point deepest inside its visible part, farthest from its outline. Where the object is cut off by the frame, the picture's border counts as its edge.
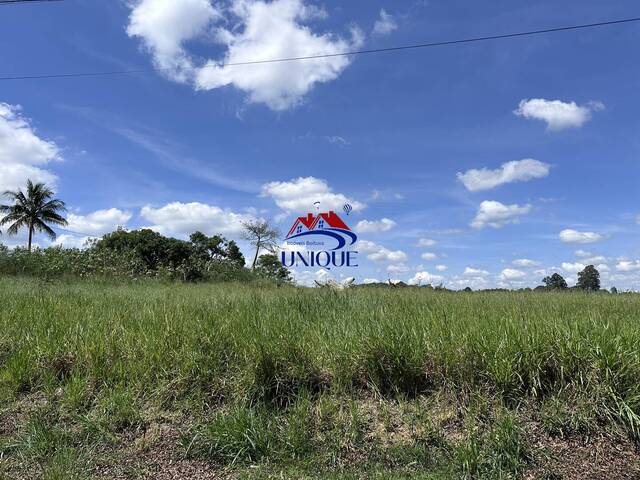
(43, 227)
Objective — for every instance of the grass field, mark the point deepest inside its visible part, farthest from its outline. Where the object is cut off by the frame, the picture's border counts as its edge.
(148, 380)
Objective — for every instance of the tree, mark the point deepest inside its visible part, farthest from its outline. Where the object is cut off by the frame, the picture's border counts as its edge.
(614, 290)
(589, 279)
(33, 210)
(555, 282)
(270, 267)
(262, 235)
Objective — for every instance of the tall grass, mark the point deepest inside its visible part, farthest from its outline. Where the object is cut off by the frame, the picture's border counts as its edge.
(111, 349)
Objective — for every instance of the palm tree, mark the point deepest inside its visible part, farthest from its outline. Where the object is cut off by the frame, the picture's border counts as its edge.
(33, 211)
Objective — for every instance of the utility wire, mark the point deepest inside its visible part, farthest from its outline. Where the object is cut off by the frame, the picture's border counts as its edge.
(8, 2)
(340, 54)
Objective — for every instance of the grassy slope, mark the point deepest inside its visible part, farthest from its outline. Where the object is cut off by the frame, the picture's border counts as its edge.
(253, 382)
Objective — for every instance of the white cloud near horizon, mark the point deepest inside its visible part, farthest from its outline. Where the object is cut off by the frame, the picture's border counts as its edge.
(628, 266)
(23, 154)
(249, 31)
(299, 196)
(525, 263)
(385, 24)
(511, 274)
(99, 222)
(378, 253)
(573, 236)
(496, 215)
(558, 115)
(375, 226)
(425, 278)
(515, 171)
(182, 219)
(475, 272)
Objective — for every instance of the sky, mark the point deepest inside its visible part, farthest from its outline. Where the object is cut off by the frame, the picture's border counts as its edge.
(485, 165)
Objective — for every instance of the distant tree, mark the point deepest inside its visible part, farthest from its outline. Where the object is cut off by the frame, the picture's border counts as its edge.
(589, 279)
(468, 289)
(216, 248)
(269, 266)
(152, 248)
(33, 211)
(555, 282)
(261, 235)
(614, 290)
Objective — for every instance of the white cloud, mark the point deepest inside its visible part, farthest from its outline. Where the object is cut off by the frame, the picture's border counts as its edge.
(525, 263)
(300, 194)
(425, 278)
(441, 268)
(98, 222)
(573, 267)
(248, 31)
(557, 114)
(426, 242)
(185, 218)
(582, 253)
(496, 215)
(399, 268)
(22, 153)
(510, 274)
(574, 236)
(70, 241)
(429, 256)
(475, 272)
(165, 26)
(628, 266)
(514, 171)
(375, 226)
(278, 29)
(385, 24)
(368, 281)
(378, 253)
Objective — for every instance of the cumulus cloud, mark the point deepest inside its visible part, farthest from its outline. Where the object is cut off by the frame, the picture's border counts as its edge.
(375, 226)
(378, 253)
(475, 272)
(165, 26)
(514, 171)
(248, 31)
(385, 24)
(23, 154)
(441, 268)
(628, 266)
(71, 241)
(98, 222)
(525, 263)
(185, 218)
(429, 256)
(399, 268)
(573, 267)
(574, 236)
(426, 242)
(425, 278)
(496, 215)
(300, 194)
(558, 115)
(511, 274)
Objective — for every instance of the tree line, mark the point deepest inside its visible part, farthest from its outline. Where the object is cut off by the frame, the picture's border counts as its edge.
(137, 253)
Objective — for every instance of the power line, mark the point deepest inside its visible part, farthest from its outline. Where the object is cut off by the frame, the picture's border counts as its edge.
(7, 2)
(338, 54)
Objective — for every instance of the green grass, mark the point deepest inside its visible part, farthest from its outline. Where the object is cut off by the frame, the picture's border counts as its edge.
(265, 380)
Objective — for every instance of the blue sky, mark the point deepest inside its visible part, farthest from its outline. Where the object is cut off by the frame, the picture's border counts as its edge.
(481, 165)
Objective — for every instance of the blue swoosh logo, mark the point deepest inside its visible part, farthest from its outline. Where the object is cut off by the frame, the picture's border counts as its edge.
(335, 233)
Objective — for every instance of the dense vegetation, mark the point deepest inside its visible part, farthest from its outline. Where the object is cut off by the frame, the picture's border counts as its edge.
(143, 254)
(99, 379)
